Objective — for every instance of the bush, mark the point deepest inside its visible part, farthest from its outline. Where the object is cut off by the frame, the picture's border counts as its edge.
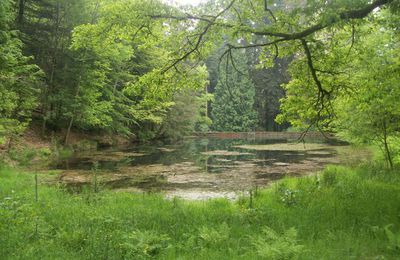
(23, 156)
(143, 244)
(329, 177)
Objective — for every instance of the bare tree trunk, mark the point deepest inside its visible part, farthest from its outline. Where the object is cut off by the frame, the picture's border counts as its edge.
(206, 112)
(71, 121)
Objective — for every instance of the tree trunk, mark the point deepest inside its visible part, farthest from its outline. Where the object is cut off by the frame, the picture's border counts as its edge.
(21, 11)
(44, 124)
(71, 121)
(386, 146)
(9, 144)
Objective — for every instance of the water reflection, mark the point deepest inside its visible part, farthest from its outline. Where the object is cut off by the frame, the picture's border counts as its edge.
(200, 166)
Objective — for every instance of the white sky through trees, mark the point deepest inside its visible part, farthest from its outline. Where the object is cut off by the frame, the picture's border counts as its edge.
(186, 2)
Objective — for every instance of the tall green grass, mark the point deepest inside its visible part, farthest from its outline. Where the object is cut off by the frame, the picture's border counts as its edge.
(341, 214)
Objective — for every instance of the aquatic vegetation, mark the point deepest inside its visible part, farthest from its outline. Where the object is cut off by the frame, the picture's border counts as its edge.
(225, 153)
(198, 169)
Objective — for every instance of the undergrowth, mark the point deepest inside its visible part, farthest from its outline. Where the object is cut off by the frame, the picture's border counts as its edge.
(342, 213)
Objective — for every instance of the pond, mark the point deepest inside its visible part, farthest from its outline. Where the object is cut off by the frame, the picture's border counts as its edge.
(201, 168)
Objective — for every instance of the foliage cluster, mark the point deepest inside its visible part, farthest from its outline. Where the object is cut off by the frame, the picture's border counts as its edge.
(103, 65)
(362, 81)
(121, 66)
(19, 80)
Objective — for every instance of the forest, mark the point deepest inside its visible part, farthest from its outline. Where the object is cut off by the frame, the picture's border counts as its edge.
(208, 129)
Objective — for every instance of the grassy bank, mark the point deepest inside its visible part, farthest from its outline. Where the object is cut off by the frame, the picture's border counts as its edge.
(342, 214)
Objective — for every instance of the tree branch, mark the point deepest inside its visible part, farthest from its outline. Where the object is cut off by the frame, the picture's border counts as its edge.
(311, 66)
(344, 16)
(211, 20)
(269, 10)
(201, 35)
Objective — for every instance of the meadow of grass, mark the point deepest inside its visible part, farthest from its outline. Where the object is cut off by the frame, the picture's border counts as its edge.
(342, 213)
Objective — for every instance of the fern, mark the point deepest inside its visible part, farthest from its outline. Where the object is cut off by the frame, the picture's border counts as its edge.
(271, 245)
(393, 238)
(213, 236)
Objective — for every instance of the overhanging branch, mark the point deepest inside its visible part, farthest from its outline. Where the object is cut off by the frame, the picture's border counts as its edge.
(344, 16)
(201, 36)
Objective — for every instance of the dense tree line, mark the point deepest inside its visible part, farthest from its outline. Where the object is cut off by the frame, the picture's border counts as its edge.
(344, 60)
(89, 65)
(104, 66)
(125, 66)
(20, 80)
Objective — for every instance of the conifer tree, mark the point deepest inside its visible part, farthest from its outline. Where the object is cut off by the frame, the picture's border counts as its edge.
(234, 95)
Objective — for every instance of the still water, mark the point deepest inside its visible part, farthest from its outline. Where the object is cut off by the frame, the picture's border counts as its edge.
(200, 168)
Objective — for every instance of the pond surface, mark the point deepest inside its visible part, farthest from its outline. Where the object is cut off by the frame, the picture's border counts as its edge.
(201, 168)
